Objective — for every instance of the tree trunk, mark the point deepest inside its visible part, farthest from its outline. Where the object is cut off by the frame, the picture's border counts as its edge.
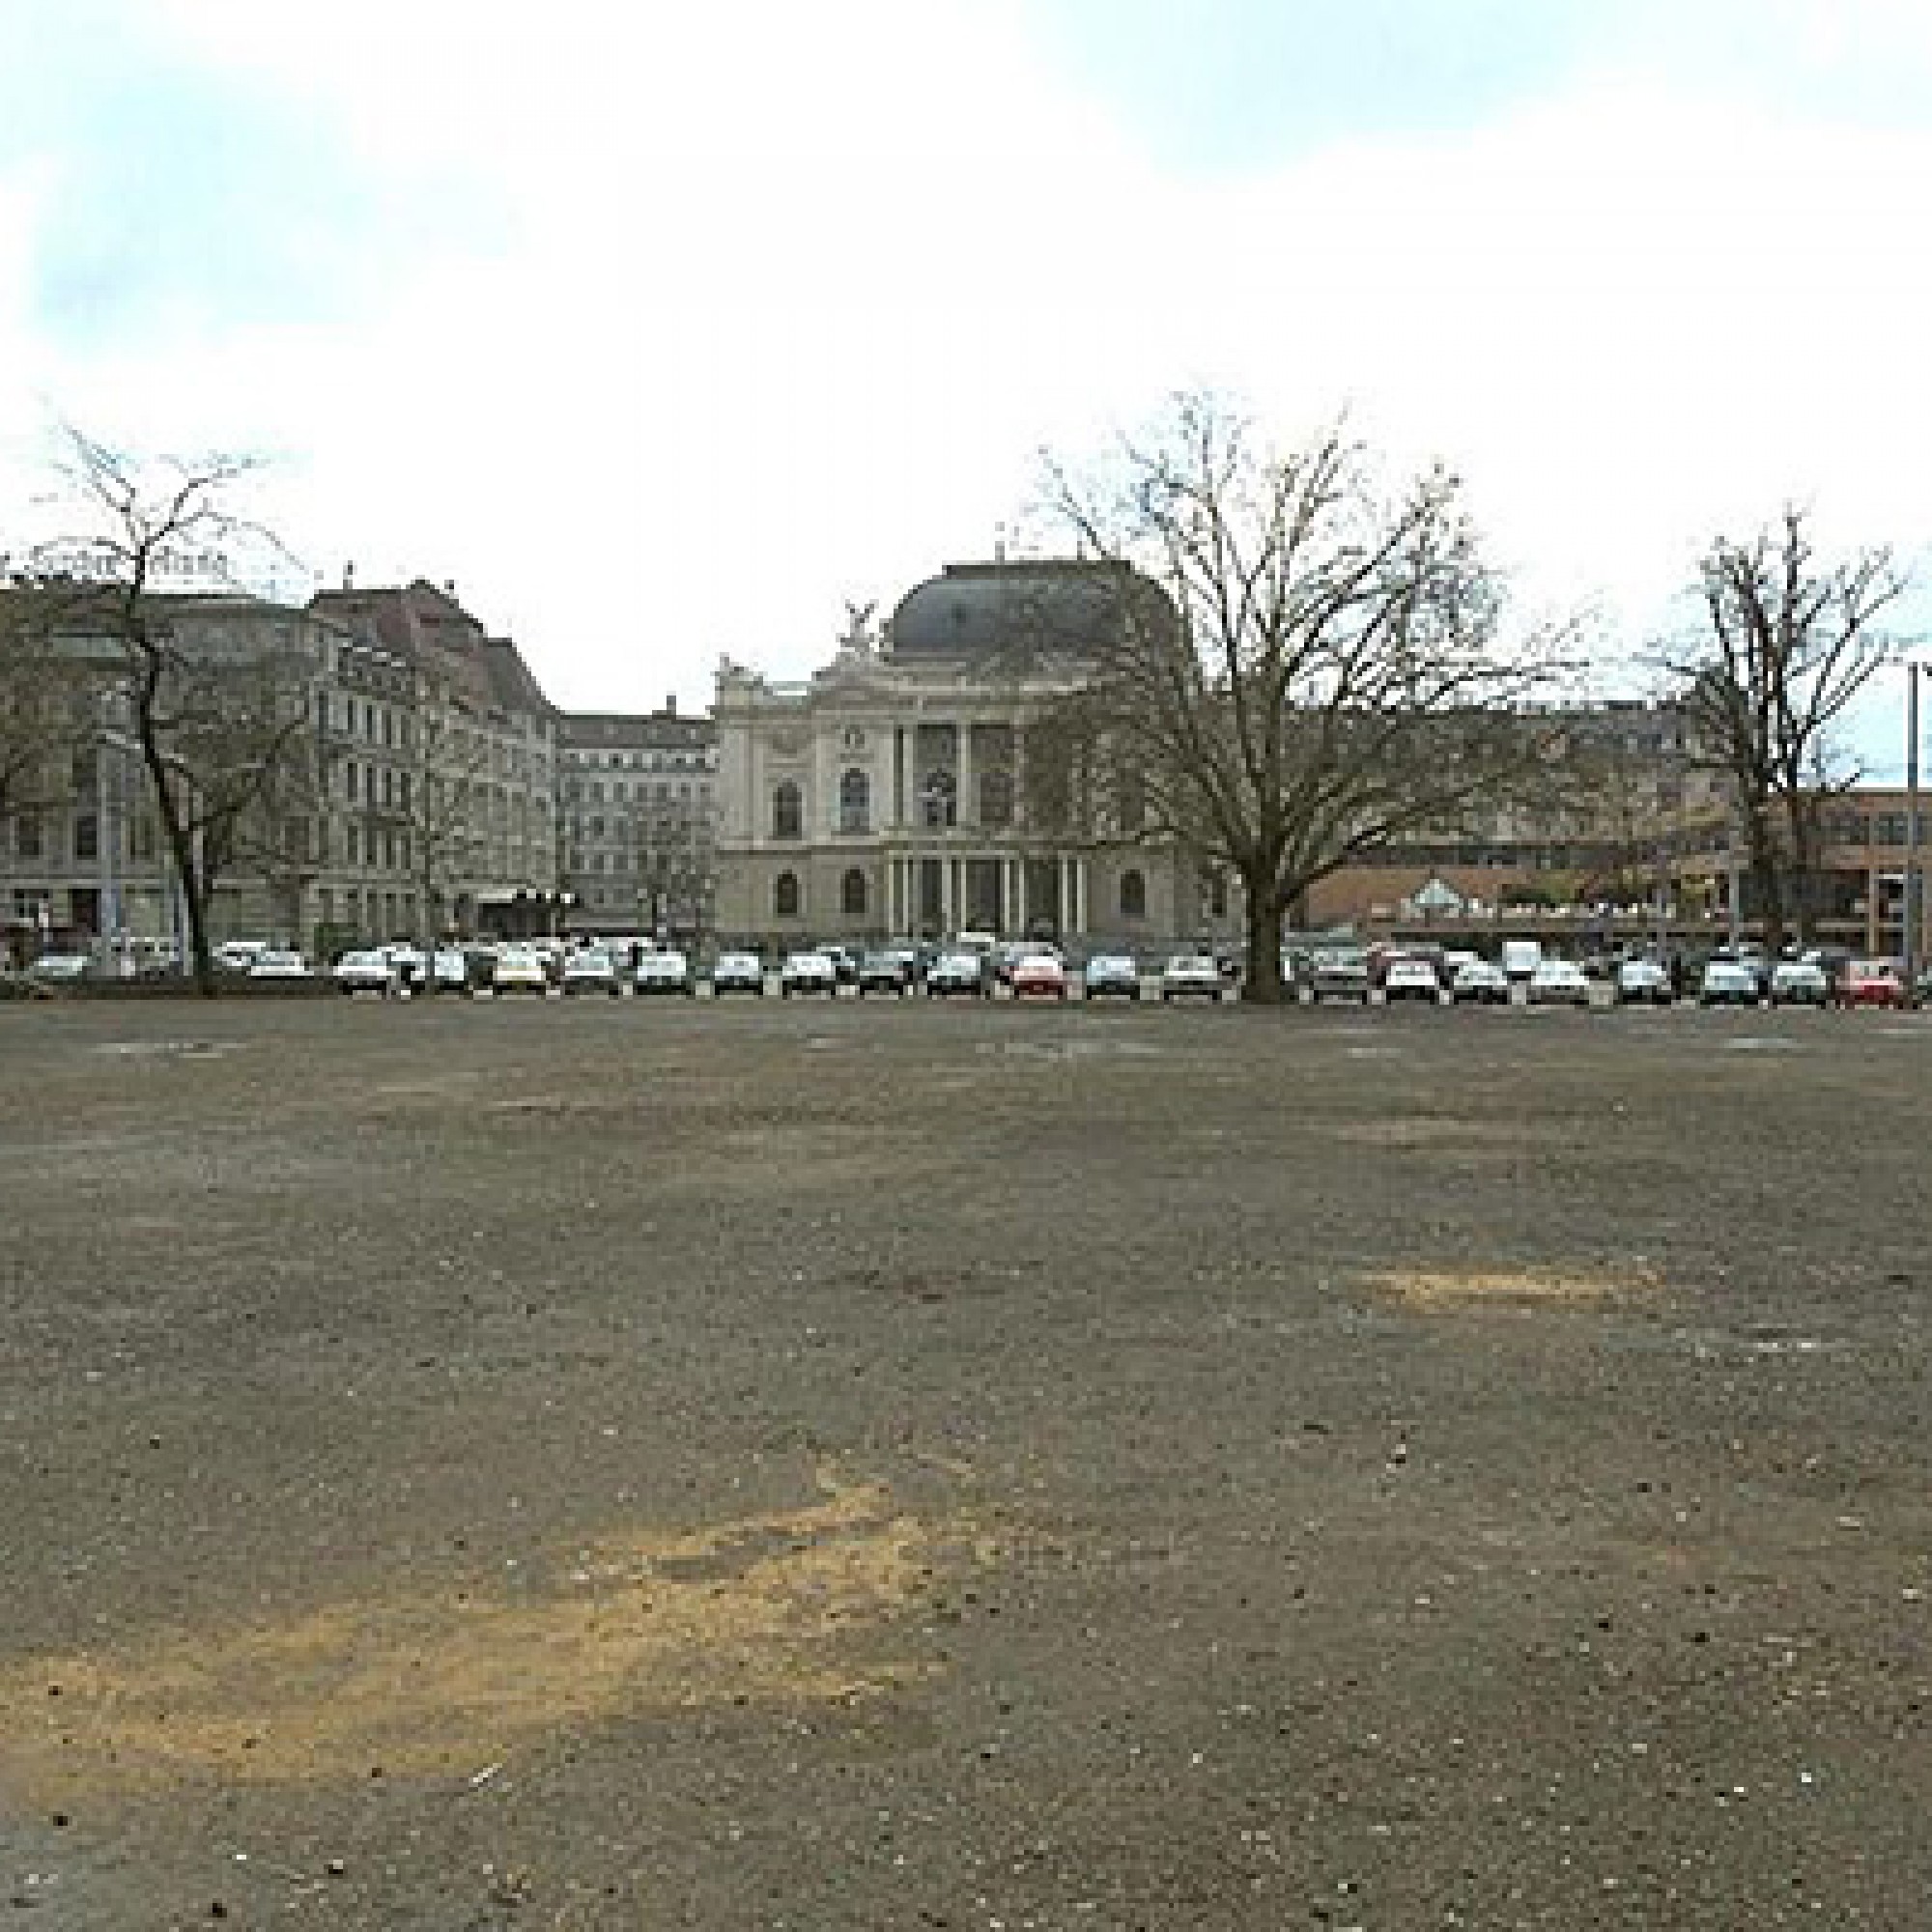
(1262, 985)
(1767, 875)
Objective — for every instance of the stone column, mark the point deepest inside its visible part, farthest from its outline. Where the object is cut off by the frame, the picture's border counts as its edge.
(963, 772)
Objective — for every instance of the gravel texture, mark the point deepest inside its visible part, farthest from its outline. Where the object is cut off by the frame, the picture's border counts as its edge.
(624, 1464)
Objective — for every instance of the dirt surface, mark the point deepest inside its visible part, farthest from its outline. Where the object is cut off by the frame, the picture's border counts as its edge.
(645, 1466)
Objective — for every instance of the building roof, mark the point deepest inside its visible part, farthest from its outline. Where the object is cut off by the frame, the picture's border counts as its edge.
(1070, 606)
(634, 731)
(429, 628)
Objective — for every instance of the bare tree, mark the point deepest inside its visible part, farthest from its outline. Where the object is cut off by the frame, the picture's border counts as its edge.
(444, 802)
(1789, 642)
(211, 732)
(46, 701)
(1324, 674)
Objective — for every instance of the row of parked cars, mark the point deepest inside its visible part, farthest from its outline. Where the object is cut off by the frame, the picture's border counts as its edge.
(1728, 977)
(1033, 970)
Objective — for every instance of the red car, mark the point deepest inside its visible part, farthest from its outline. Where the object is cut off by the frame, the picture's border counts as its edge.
(1038, 976)
(1872, 982)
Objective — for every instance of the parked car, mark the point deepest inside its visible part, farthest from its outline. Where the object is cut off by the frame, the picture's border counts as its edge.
(844, 964)
(1728, 982)
(520, 969)
(887, 970)
(1644, 982)
(1408, 977)
(1520, 959)
(807, 972)
(450, 970)
(738, 973)
(1800, 983)
(1339, 973)
(409, 964)
(1480, 983)
(955, 972)
(1559, 982)
(365, 969)
(665, 971)
(1872, 982)
(1190, 975)
(60, 968)
(591, 969)
(1037, 975)
(236, 955)
(278, 963)
(1111, 976)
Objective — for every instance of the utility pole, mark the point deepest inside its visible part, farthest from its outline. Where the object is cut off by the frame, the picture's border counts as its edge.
(1911, 891)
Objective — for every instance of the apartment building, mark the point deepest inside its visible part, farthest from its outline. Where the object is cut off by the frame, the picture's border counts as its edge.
(639, 809)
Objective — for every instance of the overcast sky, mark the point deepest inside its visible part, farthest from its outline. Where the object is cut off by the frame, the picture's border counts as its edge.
(665, 330)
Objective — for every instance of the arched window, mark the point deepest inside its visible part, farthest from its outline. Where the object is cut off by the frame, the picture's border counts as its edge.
(852, 894)
(855, 802)
(785, 895)
(787, 812)
(1133, 894)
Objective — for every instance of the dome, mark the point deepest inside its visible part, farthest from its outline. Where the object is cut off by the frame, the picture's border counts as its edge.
(1067, 607)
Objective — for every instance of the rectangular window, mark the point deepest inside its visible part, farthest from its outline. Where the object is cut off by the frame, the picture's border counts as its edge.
(27, 836)
(352, 845)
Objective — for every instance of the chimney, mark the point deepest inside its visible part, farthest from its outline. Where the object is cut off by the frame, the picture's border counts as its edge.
(349, 577)
(670, 705)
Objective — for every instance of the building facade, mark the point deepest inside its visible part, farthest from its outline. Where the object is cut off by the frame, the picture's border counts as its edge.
(418, 795)
(889, 793)
(445, 804)
(638, 813)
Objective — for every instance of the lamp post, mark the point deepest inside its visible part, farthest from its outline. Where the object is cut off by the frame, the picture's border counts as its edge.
(1912, 884)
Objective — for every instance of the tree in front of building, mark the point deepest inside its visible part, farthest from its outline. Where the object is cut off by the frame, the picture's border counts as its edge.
(1789, 641)
(48, 704)
(1328, 673)
(445, 799)
(213, 726)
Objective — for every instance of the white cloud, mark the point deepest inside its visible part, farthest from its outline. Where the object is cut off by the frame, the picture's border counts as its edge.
(737, 312)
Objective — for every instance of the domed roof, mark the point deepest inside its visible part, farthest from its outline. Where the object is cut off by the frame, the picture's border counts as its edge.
(1064, 606)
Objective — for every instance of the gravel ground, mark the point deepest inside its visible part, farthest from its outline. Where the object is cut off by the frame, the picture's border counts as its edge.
(635, 1466)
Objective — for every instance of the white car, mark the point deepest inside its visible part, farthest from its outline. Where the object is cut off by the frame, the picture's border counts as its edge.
(590, 969)
(808, 973)
(520, 969)
(1558, 983)
(277, 963)
(1191, 976)
(1644, 982)
(1411, 980)
(666, 972)
(1800, 983)
(1728, 982)
(1480, 983)
(449, 969)
(365, 970)
(236, 955)
(738, 973)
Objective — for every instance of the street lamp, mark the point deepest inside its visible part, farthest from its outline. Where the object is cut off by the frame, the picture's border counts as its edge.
(1912, 881)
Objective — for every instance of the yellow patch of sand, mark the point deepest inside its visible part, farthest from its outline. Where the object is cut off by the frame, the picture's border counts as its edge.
(786, 1608)
(1506, 1288)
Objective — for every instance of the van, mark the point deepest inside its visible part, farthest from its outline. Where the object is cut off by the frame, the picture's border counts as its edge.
(1522, 957)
